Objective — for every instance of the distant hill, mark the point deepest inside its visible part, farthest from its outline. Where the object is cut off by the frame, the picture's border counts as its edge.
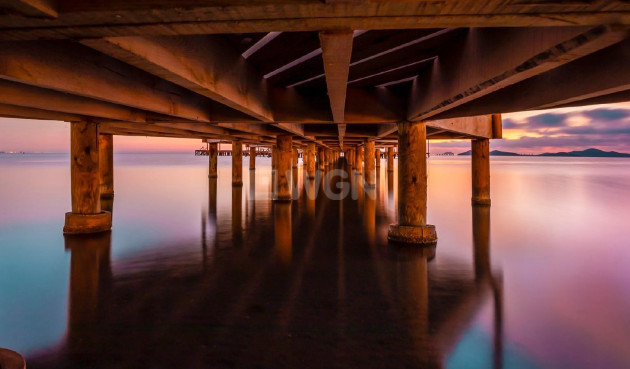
(588, 153)
(493, 153)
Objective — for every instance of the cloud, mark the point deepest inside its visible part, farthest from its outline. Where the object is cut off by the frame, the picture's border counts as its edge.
(607, 114)
(547, 120)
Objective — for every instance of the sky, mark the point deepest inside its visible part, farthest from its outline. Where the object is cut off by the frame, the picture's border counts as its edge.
(605, 127)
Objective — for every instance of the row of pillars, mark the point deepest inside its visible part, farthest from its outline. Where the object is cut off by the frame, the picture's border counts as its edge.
(92, 176)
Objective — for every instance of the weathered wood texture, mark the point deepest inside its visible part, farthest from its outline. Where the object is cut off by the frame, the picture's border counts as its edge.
(252, 158)
(480, 171)
(85, 179)
(106, 164)
(412, 174)
(310, 160)
(370, 173)
(212, 160)
(283, 174)
(237, 163)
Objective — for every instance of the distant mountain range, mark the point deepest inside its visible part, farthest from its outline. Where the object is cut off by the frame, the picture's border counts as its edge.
(588, 153)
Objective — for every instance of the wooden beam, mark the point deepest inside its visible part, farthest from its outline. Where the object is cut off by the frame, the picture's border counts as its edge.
(31, 8)
(479, 126)
(489, 59)
(599, 78)
(80, 19)
(80, 71)
(336, 52)
(33, 97)
(12, 111)
(207, 65)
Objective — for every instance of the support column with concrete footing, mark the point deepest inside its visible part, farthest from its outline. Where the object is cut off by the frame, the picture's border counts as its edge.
(213, 153)
(106, 164)
(390, 159)
(284, 168)
(295, 157)
(480, 172)
(370, 179)
(237, 163)
(252, 158)
(310, 160)
(86, 215)
(412, 187)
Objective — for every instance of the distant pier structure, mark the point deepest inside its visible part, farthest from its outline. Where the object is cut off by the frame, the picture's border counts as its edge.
(321, 79)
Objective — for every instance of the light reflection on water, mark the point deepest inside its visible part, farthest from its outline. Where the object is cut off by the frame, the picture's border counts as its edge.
(186, 281)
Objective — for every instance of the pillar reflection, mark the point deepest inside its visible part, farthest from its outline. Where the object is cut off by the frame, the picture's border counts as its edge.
(369, 214)
(283, 232)
(237, 215)
(90, 272)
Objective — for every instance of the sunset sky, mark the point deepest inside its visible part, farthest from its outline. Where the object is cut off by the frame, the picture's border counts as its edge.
(606, 127)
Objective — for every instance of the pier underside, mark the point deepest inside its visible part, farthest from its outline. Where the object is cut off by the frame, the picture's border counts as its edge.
(306, 76)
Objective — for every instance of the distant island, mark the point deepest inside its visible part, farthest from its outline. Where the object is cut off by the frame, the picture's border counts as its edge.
(588, 153)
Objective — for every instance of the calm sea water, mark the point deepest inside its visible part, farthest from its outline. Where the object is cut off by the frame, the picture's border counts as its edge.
(540, 280)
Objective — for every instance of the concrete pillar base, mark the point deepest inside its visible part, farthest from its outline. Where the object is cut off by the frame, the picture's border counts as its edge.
(481, 201)
(87, 223)
(418, 235)
(11, 360)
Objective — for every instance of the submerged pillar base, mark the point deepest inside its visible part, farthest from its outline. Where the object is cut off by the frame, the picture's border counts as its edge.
(481, 201)
(87, 223)
(417, 235)
(11, 360)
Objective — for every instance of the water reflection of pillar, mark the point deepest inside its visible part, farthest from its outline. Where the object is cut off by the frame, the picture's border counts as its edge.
(413, 296)
(295, 178)
(212, 217)
(283, 232)
(90, 271)
(369, 215)
(251, 204)
(391, 206)
(483, 274)
(309, 186)
(237, 215)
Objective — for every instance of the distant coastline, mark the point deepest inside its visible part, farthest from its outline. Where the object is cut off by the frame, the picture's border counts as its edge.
(588, 153)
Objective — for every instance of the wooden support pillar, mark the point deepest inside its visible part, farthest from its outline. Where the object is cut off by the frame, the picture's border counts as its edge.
(106, 164)
(480, 172)
(359, 160)
(377, 157)
(390, 159)
(274, 158)
(86, 215)
(252, 158)
(310, 160)
(283, 174)
(213, 153)
(295, 157)
(370, 180)
(237, 163)
(412, 187)
(320, 158)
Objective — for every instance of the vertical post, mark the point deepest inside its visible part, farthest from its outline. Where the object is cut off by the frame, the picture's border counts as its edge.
(377, 157)
(283, 232)
(274, 158)
(213, 153)
(481, 172)
(320, 158)
(86, 215)
(359, 160)
(252, 158)
(370, 180)
(390, 159)
(295, 157)
(412, 187)
(310, 160)
(284, 168)
(237, 163)
(106, 164)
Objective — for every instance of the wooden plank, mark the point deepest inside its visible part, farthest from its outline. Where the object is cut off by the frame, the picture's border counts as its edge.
(479, 126)
(12, 111)
(32, 8)
(490, 59)
(32, 97)
(336, 51)
(207, 65)
(602, 74)
(79, 19)
(79, 71)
